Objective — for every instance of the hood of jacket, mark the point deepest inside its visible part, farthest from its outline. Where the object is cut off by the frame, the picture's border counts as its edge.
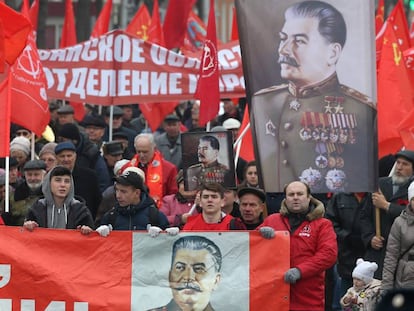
(316, 210)
(48, 193)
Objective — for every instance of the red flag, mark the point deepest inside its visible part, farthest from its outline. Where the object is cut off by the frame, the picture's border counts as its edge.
(208, 90)
(140, 23)
(395, 94)
(34, 13)
(25, 8)
(155, 33)
(194, 36)
(175, 22)
(102, 23)
(69, 39)
(406, 129)
(379, 17)
(5, 118)
(234, 29)
(28, 90)
(246, 149)
(155, 113)
(16, 28)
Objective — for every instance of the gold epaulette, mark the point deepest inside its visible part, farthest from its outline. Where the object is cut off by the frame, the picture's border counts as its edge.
(349, 91)
(272, 89)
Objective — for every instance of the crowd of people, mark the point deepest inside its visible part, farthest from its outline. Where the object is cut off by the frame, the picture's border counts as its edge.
(82, 181)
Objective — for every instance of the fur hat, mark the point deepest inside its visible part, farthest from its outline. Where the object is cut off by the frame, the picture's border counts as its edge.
(48, 148)
(364, 270)
(20, 143)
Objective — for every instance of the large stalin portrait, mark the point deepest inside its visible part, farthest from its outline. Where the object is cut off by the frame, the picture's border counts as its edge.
(312, 128)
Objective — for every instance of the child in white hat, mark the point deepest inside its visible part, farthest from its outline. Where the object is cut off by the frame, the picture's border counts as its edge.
(365, 292)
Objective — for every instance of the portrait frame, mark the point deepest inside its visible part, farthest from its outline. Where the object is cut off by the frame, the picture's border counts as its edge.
(189, 145)
(150, 263)
(259, 28)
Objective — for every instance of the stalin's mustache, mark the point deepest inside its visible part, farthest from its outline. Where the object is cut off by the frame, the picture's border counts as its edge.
(190, 286)
(285, 59)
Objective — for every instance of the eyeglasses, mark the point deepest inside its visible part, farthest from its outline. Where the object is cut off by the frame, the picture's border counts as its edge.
(23, 133)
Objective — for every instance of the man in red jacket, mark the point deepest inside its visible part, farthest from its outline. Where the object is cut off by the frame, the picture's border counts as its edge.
(313, 247)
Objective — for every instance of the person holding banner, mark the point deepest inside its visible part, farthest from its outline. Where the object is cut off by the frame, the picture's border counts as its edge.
(388, 203)
(313, 127)
(194, 274)
(59, 208)
(313, 247)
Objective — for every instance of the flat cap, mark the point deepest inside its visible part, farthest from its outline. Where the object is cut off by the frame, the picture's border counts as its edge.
(66, 145)
(113, 148)
(231, 123)
(93, 120)
(118, 112)
(171, 118)
(256, 191)
(407, 154)
(34, 165)
(66, 109)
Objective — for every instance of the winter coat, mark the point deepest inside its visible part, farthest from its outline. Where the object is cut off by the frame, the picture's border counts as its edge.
(75, 209)
(365, 299)
(313, 249)
(344, 211)
(400, 239)
(398, 202)
(135, 217)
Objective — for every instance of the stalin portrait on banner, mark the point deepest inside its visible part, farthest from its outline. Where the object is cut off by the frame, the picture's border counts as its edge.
(313, 128)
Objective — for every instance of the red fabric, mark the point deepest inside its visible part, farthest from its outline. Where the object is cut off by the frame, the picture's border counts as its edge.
(69, 39)
(5, 118)
(197, 223)
(155, 113)
(234, 29)
(379, 16)
(194, 36)
(208, 90)
(102, 23)
(406, 130)
(16, 30)
(1, 221)
(246, 149)
(155, 33)
(140, 23)
(28, 90)
(175, 22)
(313, 249)
(34, 13)
(2, 48)
(395, 93)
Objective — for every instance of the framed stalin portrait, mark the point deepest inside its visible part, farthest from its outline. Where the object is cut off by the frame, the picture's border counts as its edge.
(207, 157)
(194, 270)
(310, 81)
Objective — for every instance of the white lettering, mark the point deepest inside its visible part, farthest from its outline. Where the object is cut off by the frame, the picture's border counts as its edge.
(88, 53)
(92, 82)
(158, 55)
(77, 84)
(6, 304)
(108, 83)
(192, 83)
(122, 48)
(73, 53)
(140, 82)
(124, 82)
(229, 82)
(174, 81)
(227, 59)
(105, 48)
(137, 51)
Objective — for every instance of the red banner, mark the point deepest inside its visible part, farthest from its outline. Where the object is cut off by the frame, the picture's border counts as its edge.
(118, 68)
(62, 270)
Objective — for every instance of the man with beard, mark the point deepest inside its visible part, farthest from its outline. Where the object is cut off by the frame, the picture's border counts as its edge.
(312, 128)
(209, 170)
(390, 200)
(28, 191)
(194, 274)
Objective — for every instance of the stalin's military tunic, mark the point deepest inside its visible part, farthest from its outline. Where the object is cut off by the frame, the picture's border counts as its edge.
(199, 174)
(323, 135)
(173, 306)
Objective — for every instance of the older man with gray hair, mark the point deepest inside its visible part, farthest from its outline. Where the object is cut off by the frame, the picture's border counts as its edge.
(159, 173)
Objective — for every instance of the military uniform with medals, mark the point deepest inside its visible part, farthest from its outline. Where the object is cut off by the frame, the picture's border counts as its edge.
(322, 134)
(173, 306)
(199, 174)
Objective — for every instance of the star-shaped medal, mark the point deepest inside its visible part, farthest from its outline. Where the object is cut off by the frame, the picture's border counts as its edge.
(294, 105)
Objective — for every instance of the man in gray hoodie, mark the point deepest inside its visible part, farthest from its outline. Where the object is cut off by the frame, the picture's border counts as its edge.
(59, 208)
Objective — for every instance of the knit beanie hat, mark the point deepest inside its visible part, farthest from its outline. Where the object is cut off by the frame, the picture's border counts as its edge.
(364, 270)
(48, 148)
(411, 191)
(20, 143)
(69, 131)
